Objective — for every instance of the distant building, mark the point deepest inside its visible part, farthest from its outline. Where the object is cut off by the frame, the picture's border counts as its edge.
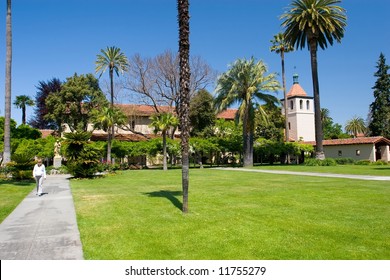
(360, 148)
(138, 116)
(300, 113)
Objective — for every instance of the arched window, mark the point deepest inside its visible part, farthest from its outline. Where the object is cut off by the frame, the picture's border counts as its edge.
(301, 104)
(289, 126)
(292, 105)
(307, 105)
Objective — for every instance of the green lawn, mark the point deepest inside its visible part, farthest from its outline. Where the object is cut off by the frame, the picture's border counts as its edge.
(375, 170)
(11, 194)
(233, 215)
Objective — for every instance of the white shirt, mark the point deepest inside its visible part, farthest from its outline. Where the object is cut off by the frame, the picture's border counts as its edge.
(39, 170)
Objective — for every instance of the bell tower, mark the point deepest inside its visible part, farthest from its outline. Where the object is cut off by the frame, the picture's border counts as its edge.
(300, 113)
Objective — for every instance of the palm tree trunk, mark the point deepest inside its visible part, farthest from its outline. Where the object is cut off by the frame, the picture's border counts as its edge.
(317, 107)
(111, 134)
(23, 114)
(184, 57)
(164, 135)
(8, 65)
(109, 140)
(286, 129)
(247, 138)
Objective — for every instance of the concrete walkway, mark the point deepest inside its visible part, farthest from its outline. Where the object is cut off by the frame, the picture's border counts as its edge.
(43, 228)
(316, 174)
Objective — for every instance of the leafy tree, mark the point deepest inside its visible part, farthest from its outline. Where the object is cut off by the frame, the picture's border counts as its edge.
(12, 127)
(40, 120)
(106, 118)
(280, 46)
(21, 102)
(269, 122)
(330, 129)
(25, 131)
(317, 23)
(202, 114)
(8, 79)
(245, 83)
(74, 104)
(379, 123)
(184, 89)
(355, 126)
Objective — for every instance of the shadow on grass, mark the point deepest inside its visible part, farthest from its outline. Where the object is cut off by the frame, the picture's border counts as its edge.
(170, 195)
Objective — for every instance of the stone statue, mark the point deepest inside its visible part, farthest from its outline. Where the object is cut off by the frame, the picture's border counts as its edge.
(57, 148)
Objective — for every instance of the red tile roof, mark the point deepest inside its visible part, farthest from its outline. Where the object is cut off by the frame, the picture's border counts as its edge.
(149, 110)
(143, 110)
(122, 137)
(353, 141)
(46, 132)
(296, 90)
(228, 114)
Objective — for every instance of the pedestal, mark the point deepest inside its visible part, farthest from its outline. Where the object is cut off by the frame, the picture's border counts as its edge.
(57, 161)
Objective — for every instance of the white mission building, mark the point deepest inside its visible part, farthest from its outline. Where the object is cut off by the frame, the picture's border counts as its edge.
(300, 112)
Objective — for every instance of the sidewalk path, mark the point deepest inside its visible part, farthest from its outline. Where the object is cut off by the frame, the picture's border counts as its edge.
(317, 174)
(43, 228)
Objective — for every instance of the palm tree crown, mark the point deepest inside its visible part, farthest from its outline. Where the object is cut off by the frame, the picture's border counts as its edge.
(314, 20)
(21, 102)
(163, 122)
(355, 126)
(245, 83)
(115, 61)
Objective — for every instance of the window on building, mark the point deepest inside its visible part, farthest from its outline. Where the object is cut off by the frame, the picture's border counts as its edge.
(301, 104)
(358, 152)
(340, 153)
(289, 126)
(132, 125)
(292, 104)
(307, 105)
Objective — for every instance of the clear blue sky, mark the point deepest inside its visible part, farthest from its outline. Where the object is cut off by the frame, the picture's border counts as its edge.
(56, 38)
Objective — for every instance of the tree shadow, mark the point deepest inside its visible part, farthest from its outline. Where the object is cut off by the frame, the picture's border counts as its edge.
(170, 195)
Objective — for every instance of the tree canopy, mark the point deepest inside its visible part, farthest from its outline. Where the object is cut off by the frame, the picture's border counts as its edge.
(79, 95)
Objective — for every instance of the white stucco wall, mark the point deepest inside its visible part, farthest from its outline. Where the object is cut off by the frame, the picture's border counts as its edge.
(367, 151)
(301, 118)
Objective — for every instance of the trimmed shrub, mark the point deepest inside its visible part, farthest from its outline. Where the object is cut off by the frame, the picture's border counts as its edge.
(318, 162)
(345, 161)
(380, 162)
(363, 162)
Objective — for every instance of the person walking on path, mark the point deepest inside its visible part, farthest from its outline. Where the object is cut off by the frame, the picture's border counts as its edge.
(39, 173)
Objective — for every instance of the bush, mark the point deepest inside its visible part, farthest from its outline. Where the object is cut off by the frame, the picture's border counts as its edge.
(318, 162)
(329, 162)
(380, 162)
(345, 161)
(363, 162)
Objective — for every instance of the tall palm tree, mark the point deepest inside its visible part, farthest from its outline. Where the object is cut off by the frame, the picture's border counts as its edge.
(163, 122)
(184, 96)
(246, 83)
(280, 46)
(8, 65)
(317, 23)
(106, 119)
(115, 61)
(21, 102)
(355, 126)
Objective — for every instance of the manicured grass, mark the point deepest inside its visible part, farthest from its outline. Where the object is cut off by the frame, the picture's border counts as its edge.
(233, 215)
(374, 170)
(11, 194)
